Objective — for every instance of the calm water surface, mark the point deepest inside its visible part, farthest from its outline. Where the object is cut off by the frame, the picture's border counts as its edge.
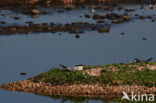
(37, 53)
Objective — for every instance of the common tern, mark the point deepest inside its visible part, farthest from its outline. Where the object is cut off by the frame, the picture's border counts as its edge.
(72, 68)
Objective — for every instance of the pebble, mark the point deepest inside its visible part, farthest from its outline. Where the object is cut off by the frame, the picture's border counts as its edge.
(23, 73)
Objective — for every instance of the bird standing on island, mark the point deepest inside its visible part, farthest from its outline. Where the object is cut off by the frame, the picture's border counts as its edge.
(148, 60)
(136, 60)
(152, 6)
(73, 68)
(93, 10)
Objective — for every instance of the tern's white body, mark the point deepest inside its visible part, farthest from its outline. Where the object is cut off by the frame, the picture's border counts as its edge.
(93, 11)
(152, 6)
(78, 68)
(73, 68)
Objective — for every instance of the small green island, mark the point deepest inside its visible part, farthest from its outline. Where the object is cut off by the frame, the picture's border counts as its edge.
(93, 81)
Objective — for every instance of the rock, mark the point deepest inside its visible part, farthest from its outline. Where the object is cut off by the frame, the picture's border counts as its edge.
(53, 31)
(144, 38)
(60, 11)
(87, 16)
(96, 16)
(69, 8)
(13, 29)
(153, 20)
(103, 30)
(72, 29)
(31, 1)
(94, 28)
(149, 17)
(116, 22)
(113, 16)
(100, 21)
(136, 15)
(2, 22)
(142, 17)
(22, 73)
(49, 28)
(3, 14)
(120, 8)
(61, 28)
(122, 33)
(1, 29)
(129, 10)
(35, 11)
(16, 18)
(52, 24)
(45, 24)
(48, 2)
(77, 36)
(126, 18)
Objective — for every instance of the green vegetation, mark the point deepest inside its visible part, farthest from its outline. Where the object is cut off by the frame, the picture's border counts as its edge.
(111, 74)
(145, 77)
(58, 77)
(120, 65)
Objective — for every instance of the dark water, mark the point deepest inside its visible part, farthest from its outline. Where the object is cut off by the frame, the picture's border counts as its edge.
(37, 53)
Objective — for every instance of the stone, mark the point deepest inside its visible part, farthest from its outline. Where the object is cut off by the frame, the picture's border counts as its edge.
(77, 36)
(126, 18)
(35, 11)
(87, 16)
(103, 30)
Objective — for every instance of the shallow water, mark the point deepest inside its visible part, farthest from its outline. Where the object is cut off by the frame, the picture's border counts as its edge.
(38, 52)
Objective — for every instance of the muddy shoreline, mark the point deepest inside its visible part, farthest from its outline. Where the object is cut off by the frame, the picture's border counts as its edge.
(58, 2)
(25, 6)
(76, 90)
(73, 28)
(103, 25)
